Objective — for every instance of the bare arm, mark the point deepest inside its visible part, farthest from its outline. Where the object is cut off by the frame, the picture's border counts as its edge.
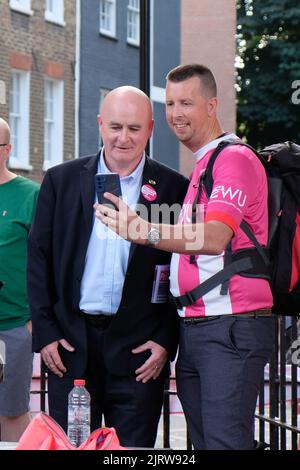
(207, 238)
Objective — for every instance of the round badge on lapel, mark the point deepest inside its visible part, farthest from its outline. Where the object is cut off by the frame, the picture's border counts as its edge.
(149, 192)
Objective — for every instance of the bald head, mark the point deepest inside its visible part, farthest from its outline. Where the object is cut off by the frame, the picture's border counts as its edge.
(130, 95)
(5, 149)
(126, 123)
(4, 132)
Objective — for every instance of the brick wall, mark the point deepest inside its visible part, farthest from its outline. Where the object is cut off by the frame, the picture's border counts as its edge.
(45, 49)
(208, 37)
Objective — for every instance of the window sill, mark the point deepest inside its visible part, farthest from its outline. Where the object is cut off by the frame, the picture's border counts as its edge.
(14, 164)
(133, 43)
(53, 20)
(108, 35)
(19, 9)
(47, 165)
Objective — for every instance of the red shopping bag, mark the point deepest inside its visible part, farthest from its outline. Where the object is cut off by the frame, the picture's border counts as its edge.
(43, 433)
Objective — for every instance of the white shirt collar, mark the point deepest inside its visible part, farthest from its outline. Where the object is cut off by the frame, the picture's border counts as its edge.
(212, 144)
(102, 167)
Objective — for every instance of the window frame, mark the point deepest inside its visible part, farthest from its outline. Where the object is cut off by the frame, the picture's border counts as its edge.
(102, 94)
(2, 92)
(57, 133)
(20, 160)
(113, 30)
(137, 12)
(57, 15)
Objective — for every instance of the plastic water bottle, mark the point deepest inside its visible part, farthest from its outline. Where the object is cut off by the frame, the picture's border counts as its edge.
(79, 413)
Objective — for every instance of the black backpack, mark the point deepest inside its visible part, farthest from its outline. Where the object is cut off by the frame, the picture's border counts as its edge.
(279, 261)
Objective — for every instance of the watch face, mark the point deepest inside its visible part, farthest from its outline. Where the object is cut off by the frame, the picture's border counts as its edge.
(153, 236)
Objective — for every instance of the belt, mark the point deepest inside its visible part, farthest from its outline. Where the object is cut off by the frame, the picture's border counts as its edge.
(264, 312)
(99, 320)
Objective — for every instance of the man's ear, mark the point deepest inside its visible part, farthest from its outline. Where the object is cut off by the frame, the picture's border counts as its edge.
(8, 151)
(151, 126)
(99, 118)
(212, 106)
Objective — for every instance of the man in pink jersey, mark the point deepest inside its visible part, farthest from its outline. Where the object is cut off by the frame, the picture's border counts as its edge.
(227, 329)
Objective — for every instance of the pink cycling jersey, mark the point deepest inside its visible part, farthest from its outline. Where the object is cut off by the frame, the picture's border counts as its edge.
(239, 192)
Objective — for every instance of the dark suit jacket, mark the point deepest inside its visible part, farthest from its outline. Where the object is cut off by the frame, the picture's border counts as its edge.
(57, 248)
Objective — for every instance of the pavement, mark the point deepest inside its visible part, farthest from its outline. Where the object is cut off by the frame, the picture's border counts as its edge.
(178, 430)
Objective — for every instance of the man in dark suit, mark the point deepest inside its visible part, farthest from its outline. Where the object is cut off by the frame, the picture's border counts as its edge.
(93, 311)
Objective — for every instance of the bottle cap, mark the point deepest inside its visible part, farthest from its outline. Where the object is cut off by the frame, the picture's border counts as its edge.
(79, 382)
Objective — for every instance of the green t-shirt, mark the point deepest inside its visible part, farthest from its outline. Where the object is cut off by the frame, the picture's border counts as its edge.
(17, 207)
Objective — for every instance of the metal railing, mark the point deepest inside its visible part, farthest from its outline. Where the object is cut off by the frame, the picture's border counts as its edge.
(278, 412)
(279, 421)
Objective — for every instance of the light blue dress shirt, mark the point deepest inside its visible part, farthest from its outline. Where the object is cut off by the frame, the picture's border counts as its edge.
(107, 254)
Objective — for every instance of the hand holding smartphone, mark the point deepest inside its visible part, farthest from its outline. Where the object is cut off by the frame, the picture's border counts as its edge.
(107, 183)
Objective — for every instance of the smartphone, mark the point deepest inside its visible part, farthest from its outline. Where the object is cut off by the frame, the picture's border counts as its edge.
(107, 183)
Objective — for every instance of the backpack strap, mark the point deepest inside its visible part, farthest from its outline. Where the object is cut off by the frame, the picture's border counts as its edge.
(206, 181)
(206, 177)
(194, 212)
(260, 249)
(225, 274)
(247, 262)
(227, 262)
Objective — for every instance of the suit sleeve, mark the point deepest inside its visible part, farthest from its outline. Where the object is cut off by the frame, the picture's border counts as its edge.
(168, 334)
(41, 292)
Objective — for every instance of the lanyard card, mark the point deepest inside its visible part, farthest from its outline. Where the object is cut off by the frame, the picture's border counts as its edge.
(160, 291)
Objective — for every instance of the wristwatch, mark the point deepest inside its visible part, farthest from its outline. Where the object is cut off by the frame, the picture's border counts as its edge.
(153, 236)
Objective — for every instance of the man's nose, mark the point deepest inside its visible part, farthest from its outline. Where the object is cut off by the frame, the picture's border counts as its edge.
(124, 135)
(177, 110)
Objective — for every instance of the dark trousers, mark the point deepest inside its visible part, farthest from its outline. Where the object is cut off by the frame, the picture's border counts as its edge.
(219, 372)
(131, 407)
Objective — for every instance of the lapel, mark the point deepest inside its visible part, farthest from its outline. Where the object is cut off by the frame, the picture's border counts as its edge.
(150, 173)
(87, 190)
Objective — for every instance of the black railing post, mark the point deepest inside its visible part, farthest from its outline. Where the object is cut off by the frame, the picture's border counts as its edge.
(294, 388)
(145, 46)
(283, 382)
(145, 49)
(274, 391)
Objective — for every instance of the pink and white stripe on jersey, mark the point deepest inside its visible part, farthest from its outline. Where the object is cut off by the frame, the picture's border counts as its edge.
(236, 172)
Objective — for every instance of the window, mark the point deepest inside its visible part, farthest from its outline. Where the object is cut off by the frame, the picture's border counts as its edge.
(23, 6)
(2, 92)
(53, 123)
(54, 11)
(133, 22)
(108, 17)
(19, 120)
(103, 93)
